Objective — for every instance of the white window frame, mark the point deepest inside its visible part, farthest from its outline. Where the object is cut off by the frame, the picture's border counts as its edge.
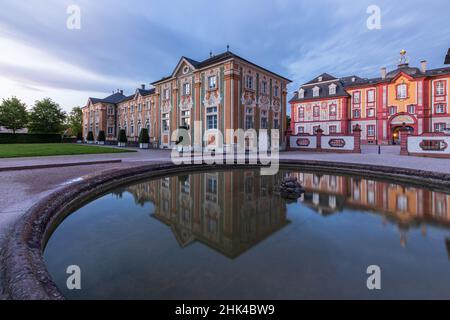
(212, 82)
(402, 91)
(212, 112)
(165, 118)
(249, 82)
(186, 89)
(440, 88)
(316, 91)
(438, 107)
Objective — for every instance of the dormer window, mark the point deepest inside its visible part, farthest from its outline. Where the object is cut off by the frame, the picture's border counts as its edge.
(319, 79)
(332, 88)
(316, 91)
(301, 93)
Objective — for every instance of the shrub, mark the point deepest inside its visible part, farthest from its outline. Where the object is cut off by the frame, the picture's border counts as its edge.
(122, 136)
(90, 136)
(101, 136)
(79, 135)
(143, 136)
(8, 138)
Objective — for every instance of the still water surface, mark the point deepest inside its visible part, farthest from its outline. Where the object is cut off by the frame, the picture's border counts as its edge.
(229, 235)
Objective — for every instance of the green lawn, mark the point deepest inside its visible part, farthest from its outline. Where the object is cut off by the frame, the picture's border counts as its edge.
(52, 149)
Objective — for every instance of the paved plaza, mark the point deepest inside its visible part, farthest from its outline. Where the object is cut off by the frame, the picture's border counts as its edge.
(20, 189)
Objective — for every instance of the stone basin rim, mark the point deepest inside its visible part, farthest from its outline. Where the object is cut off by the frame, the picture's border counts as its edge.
(24, 273)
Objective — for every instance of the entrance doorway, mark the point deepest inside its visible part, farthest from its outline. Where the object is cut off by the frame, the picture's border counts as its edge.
(396, 133)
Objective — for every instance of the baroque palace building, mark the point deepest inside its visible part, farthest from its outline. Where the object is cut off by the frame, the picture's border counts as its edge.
(224, 92)
(410, 97)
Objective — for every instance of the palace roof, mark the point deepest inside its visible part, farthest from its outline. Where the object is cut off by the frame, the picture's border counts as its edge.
(324, 80)
(217, 59)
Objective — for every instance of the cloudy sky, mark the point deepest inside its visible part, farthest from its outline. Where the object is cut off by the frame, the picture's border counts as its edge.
(122, 44)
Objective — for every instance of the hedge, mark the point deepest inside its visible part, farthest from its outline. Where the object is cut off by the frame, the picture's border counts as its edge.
(8, 138)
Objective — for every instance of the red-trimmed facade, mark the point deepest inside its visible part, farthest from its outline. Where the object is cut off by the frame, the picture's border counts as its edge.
(405, 97)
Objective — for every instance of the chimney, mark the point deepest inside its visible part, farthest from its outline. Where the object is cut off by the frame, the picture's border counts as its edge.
(210, 54)
(423, 66)
(143, 86)
(383, 73)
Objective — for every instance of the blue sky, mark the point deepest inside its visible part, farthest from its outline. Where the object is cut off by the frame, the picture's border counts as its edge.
(122, 44)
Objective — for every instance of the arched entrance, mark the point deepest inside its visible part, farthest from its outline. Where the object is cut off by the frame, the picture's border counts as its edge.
(399, 121)
(396, 133)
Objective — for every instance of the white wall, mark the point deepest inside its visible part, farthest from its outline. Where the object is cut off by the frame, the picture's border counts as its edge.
(414, 145)
(312, 142)
(349, 142)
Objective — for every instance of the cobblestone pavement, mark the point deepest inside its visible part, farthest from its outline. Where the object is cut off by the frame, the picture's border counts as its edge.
(20, 189)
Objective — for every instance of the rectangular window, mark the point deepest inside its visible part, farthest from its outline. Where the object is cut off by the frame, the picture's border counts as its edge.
(185, 119)
(186, 89)
(371, 96)
(275, 91)
(392, 110)
(411, 109)
(212, 82)
(264, 122)
(301, 112)
(440, 88)
(332, 129)
(139, 107)
(371, 112)
(440, 108)
(300, 129)
(110, 130)
(264, 87)
(356, 113)
(402, 91)
(249, 82)
(110, 110)
(248, 122)
(166, 94)
(132, 109)
(165, 122)
(371, 131)
(357, 97)
(439, 127)
(316, 111)
(333, 110)
(276, 121)
(211, 118)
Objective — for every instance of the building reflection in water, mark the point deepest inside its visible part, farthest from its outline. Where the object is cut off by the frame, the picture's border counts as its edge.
(231, 211)
(408, 207)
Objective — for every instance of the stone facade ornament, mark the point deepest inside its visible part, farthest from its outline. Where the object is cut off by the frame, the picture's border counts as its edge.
(212, 99)
(264, 102)
(276, 105)
(186, 103)
(248, 99)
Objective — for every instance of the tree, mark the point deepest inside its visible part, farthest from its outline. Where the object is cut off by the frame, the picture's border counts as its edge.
(13, 114)
(75, 121)
(46, 117)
